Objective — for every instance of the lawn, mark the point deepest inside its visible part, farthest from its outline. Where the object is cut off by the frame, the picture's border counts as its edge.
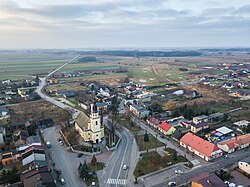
(151, 144)
(152, 161)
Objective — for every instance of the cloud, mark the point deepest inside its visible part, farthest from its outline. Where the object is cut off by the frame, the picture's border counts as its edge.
(134, 22)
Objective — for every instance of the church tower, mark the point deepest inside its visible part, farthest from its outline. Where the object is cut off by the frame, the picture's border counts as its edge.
(95, 123)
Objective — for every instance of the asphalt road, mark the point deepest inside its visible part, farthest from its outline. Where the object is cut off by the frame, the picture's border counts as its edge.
(126, 153)
(210, 167)
(65, 161)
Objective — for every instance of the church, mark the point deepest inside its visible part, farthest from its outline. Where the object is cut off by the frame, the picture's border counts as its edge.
(89, 127)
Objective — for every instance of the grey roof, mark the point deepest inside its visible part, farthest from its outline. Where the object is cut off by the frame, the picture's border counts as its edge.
(247, 160)
(82, 121)
(3, 109)
(34, 139)
(215, 115)
(201, 117)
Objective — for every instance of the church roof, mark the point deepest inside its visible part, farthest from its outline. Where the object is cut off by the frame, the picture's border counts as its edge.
(82, 121)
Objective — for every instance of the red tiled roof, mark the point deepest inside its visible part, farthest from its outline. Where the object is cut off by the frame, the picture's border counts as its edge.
(207, 180)
(165, 126)
(239, 140)
(204, 147)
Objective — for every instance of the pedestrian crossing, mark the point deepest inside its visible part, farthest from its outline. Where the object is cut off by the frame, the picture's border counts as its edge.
(116, 181)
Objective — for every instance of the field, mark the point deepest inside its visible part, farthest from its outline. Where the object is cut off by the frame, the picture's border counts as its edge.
(30, 111)
(20, 66)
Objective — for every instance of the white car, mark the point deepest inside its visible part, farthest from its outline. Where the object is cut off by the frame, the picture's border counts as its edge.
(172, 183)
(178, 171)
(61, 142)
(62, 181)
(125, 167)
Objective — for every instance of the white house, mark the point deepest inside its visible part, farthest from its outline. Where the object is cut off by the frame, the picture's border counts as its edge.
(244, 165)
(32, 154)
(242, 123)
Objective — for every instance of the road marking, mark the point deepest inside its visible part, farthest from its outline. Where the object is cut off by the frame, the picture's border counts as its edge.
(116, 181)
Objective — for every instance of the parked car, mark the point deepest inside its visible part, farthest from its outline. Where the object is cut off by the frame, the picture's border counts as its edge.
(172, 183)
(61, 142)
(178, 171)
(62, 181)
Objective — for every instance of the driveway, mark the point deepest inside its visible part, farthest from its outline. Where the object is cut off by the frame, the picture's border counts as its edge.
(65, 161)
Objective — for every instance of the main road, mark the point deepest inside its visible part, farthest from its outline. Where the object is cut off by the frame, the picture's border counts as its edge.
(126, 154)
(211, 167)
(113, 174)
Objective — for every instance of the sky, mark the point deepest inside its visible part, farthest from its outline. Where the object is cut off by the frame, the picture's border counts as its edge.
(124, 23)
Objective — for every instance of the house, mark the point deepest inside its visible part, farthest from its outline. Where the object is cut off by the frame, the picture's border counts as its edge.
(199, 119)
(25, 92)
(244, 165)
(69, 94)
(35, 140)
(2, 135)
(31, 154)
(166, 128)
(139, 111)
(33, 165)
(40, 176)
(216, 117)
(7, 158)
(207, 180)
(153, 122)
(235, 143)
(200, 147)
(89, 127)
(199, 127)
(185, 124)
(102, 106)
(242, 123)
(177, 135)
(4, 112)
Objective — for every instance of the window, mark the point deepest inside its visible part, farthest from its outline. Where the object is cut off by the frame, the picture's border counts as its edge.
(96, 123)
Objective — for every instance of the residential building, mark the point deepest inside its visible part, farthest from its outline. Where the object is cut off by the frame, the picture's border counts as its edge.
(166, 128)
(153, 122)
(40, 176)
(4, 111)
(69, 94)
(244, 165)
(198, 127)
(242, 123)
(7, 158)
(207, 180)
(2, 135)
(139, 111)
(200, 119)
(200, 147)
(177, 135)
(89, 127)
(235, 143)
(33, 153)
(216, 117)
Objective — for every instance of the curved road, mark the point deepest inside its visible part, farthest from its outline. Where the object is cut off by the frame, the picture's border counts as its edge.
(113, 174)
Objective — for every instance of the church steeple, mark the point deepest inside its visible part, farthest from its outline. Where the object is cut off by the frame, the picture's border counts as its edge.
(94, 111)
